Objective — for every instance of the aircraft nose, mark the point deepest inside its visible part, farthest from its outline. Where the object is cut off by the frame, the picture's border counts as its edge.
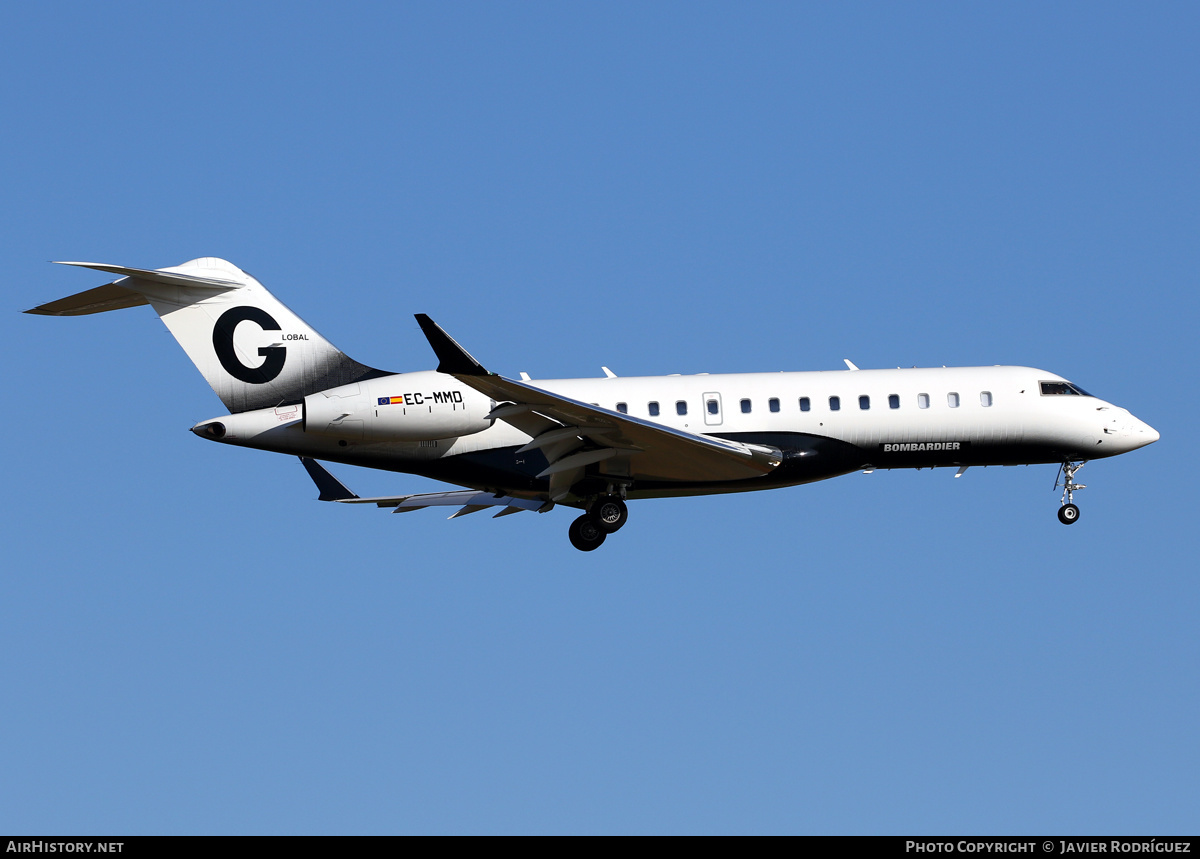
(1142, 434)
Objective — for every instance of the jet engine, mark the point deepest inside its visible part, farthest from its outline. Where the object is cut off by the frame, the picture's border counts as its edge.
(423, 406)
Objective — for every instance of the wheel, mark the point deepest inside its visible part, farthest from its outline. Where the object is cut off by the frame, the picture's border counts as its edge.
(609, 513)
(585, 534)
(1068, 514)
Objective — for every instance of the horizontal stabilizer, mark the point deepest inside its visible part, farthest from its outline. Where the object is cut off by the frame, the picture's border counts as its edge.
(124, 293)
(156, 276)
(108, 297)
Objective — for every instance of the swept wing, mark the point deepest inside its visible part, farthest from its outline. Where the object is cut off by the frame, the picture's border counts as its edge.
(468, 500)
(574, 435)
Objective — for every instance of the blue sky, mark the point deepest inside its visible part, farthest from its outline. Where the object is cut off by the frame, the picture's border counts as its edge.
(192, 644)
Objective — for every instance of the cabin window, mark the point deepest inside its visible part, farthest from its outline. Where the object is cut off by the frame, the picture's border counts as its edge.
(952, 400)
(713, 407)
(805, 405)
(623, 408)
(893, 401)
(773, 404)
(745, 407)
(835, 403)
(681, 407)
(864, 402)
(653, 408)
(985, 398)
(922, 401)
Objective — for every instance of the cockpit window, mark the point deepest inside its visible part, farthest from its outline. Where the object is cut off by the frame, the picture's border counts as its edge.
(1059, 389)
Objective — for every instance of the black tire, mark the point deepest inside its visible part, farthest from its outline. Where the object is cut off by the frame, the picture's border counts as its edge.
(585, 534)
(1068, 514)
(609, 513)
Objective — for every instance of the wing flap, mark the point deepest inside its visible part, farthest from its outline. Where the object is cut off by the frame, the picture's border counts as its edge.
(468, 501)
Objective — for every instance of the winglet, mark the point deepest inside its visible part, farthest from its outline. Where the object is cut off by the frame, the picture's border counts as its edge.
(331, 488)
(453, 358)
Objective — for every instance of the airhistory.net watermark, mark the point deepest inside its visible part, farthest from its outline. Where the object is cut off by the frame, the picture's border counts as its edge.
(40, 846)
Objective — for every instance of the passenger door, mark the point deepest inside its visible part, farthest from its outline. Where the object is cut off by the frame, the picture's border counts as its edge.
(712, 409)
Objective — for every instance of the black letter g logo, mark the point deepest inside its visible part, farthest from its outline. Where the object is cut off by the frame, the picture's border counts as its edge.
(223, 345)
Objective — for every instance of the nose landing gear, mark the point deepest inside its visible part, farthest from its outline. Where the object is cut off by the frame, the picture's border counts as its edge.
(1068, 513)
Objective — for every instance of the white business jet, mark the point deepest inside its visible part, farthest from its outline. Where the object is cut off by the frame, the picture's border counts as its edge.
(593, 444)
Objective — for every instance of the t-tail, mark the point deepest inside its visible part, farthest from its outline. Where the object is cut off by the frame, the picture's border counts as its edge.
(253, 350)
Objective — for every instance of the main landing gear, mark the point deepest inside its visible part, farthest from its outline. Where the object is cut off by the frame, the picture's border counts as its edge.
(1068, 513)
(609, 513)
(585, 534)
(606, 514)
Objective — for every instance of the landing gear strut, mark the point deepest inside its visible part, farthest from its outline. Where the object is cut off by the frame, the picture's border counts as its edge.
(1068, 513)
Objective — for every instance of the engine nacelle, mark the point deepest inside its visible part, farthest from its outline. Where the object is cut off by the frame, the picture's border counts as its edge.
(423, 406)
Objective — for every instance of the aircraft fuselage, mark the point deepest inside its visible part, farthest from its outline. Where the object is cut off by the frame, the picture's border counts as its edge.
(825, 423)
